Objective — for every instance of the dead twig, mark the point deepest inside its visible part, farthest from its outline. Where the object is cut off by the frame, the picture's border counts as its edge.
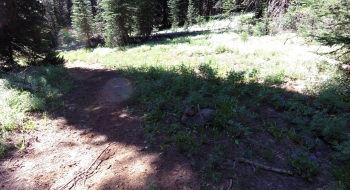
(199, 112)
(288, 39)
(229, 187)
(85, 173)
(277, 170)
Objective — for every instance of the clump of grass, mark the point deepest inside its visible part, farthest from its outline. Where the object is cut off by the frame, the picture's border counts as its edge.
(51, 83)
(185, 143)
(222, 49)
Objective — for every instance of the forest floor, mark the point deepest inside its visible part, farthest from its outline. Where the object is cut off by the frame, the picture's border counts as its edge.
(96, 141)
(93, 142)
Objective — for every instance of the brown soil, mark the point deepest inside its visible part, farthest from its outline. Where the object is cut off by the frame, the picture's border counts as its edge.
(95, 141)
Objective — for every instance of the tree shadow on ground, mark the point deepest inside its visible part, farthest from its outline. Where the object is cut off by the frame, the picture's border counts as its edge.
(141, 143)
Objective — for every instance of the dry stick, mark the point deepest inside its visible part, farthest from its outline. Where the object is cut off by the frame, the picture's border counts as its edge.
(288, 39)
(282, 171)
(229, 187)
(199, 111)
(79, 175)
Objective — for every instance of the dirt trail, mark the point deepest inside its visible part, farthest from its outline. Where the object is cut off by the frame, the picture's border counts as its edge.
(94, 141)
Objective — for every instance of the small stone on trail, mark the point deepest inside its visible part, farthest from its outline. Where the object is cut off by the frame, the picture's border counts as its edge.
(198, 118)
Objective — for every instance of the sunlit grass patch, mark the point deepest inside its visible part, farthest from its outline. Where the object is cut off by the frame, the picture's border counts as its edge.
(45, 85)
(270, 55)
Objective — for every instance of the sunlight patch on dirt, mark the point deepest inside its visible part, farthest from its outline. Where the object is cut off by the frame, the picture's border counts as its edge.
(116, 89)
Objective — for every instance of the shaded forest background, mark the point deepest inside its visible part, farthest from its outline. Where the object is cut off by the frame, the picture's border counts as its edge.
(30, 29)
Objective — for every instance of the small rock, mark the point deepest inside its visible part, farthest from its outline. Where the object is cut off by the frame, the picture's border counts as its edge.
(197, 118)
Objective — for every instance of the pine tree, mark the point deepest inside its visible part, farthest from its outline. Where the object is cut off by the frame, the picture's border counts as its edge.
(174, 12)
(178, 12)
(192, 12)
(24, 32)
(334, 27)
(83, 19)
(119, 22)
(145, 17)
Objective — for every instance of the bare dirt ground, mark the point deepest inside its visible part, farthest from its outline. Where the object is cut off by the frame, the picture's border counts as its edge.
(94, 141)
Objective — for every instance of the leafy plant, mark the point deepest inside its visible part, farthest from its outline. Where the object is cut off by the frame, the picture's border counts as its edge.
(342, 175)
(304, 164)
(185, 143)
(330, 127)
(275, 131)
(276, 78)
(344, 150)
(331, 101)
(214, 160)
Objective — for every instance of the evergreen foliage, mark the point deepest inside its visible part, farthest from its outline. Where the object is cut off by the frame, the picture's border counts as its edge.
(192, 12)
(334, 29)
(145, 17)
(83, 19)
(326, 21)
(228, 5)
(58, 15)
(178, 12)
(174, 6)
(24, 32)
(118, 17)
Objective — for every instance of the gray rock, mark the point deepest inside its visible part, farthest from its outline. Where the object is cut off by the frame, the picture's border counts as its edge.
(198, 118)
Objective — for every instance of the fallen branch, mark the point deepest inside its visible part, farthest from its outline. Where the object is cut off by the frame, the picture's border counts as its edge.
(277, 170)
(79, 176)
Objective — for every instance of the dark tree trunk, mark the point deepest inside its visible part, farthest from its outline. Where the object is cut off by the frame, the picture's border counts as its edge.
(93, 7)
(163, 4)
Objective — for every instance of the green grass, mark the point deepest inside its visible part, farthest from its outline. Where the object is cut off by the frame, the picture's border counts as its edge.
(236, 78)
(17, 102)
(274, 60)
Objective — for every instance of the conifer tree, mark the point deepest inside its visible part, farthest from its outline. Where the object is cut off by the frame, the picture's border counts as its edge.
(178, 12)
(334, 27)
(174, 12)
(192, 12)
(118, 17)
(83, 19)
(24, 32)
(145, 17)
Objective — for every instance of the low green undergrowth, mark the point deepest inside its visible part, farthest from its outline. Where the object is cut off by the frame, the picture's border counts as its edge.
(247, 82)
(35, 89)
(164, 92)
